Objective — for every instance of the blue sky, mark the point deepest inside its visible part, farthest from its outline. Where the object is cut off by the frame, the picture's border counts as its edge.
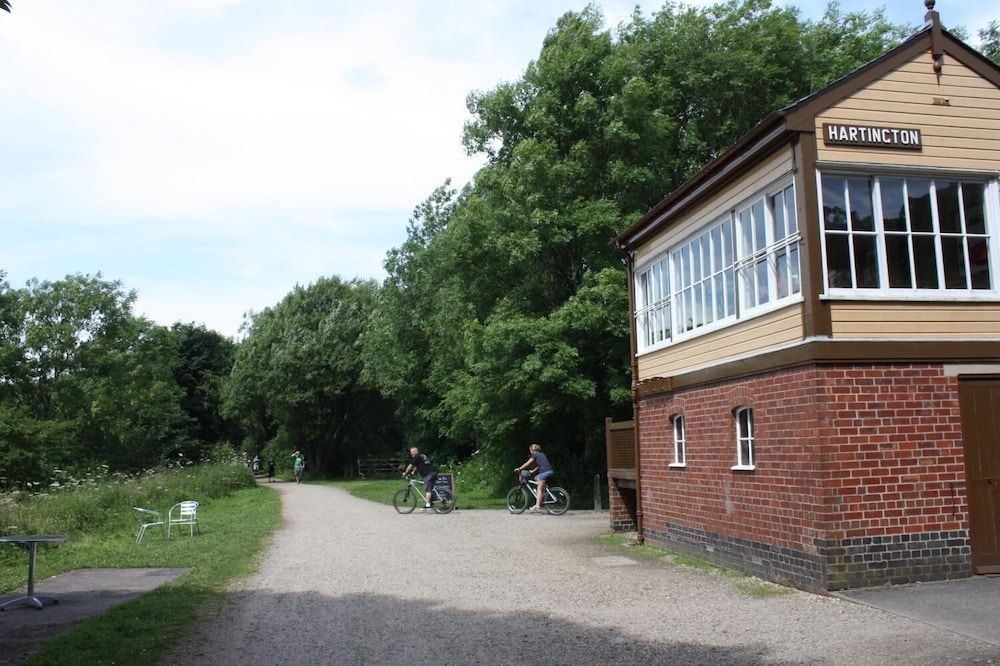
(213, 153)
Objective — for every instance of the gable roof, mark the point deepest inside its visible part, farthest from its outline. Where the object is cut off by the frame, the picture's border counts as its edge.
(781, 126)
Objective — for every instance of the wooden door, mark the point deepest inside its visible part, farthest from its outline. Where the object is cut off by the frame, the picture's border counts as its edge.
(979, 400)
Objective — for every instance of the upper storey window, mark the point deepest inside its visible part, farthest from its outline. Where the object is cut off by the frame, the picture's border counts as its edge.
(737, 265)
(924, 236)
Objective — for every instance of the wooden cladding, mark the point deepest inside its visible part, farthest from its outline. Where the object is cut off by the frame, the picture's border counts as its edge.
(620, 439)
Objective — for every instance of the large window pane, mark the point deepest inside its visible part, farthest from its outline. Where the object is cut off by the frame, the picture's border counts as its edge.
(717, 248)
(897, 256)
(796, 286)
(979, 263)
(781, 266)
(919, 202)
(893, 205)
(730, 291)
(953, 254)
(860, 193)
(778, 213)
(925, 262)
(746, 233)
(973, 198)
(727, 242)
(759, 234)
(865, 262)
(763, 291)
(949, 220)
(838, 261)
(834, 207)
(720, 297)
(790, 214)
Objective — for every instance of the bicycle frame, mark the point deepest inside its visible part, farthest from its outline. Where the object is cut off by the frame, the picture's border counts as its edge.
(532, 487)
(418, 488)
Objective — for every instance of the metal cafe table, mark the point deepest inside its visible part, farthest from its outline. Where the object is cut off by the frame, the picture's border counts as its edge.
(31, 543)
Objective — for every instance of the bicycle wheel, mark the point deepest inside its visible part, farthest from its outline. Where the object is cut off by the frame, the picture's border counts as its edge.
(405, 500)
(444, 501)
(517, 500)
(557, 501)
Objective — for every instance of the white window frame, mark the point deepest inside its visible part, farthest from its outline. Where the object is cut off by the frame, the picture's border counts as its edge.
(884, 292)
(745, 435)
(647, 309)
(679, 428)
(766, 253)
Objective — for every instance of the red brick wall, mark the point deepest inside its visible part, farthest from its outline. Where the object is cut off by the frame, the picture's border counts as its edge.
(841, 452)
(892, 449)
(780, 503)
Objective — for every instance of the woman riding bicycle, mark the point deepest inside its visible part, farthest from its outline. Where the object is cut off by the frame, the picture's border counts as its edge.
(539, 462)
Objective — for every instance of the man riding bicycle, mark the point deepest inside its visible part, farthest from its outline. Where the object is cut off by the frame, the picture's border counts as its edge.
(540, 463)
(422, 465)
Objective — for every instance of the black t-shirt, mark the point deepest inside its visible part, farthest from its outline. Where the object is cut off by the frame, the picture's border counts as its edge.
(423, 465)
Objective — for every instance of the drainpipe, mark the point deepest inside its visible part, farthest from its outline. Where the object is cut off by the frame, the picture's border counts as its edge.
(630, 263)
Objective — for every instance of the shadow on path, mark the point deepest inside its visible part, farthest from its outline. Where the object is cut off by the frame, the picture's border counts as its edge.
(310, 628)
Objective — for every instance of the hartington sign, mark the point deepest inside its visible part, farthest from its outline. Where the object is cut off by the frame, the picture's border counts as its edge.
(901, 138)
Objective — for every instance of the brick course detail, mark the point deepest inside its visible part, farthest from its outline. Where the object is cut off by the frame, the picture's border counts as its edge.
(852, 462)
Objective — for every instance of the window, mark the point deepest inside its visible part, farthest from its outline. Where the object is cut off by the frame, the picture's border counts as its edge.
(680, 453)
(906, 233)
(705, 289)
(745, 458)
(653, 298)
(768, 249)
(745, 260)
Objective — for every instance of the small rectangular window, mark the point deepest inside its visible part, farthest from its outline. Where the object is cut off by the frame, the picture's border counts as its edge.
(680, 442)
(745, 456)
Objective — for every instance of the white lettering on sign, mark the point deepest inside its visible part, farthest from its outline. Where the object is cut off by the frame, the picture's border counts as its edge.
(872, 137)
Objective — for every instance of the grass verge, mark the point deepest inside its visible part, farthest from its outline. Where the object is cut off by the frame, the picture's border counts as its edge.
(234, 529)
(382, 490)
(746, 585)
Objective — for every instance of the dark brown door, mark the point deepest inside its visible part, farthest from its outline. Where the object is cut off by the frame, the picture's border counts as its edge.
(980, 404)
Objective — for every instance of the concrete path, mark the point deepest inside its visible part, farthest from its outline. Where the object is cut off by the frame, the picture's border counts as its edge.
(970, 606)
(82, 594)
(351, 582)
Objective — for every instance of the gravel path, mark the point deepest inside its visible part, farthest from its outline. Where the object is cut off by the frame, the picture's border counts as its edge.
(351, 582)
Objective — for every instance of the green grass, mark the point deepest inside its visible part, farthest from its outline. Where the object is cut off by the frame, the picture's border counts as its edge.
(234, 529)
(382, 490)
(746, 585)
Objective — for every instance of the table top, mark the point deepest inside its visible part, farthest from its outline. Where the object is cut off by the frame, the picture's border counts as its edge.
(33, 538)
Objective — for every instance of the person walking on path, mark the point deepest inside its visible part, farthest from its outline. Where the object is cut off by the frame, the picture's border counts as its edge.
(539, 462)
(299, 465)
(270, 471)
(422, 464)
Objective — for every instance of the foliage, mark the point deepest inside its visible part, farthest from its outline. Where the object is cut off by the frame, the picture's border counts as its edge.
(503, 319)
(989, 41)
(296, 381)
(83, 381)
(103, 500)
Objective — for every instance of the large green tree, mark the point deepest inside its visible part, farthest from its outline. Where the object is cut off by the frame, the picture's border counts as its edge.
(504, 318)
(296, 381)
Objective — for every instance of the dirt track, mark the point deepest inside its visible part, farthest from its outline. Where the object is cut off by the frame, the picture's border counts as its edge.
(351, 582)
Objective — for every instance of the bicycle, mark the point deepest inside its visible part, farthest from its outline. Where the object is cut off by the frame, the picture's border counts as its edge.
(406, 498)
(555, 501)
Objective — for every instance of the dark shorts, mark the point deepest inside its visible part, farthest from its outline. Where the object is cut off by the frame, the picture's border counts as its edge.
(545, 476)
(429, 482)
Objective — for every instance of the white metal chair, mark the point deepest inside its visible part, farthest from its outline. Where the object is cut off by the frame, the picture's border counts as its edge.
(147, 518)
(186, 514)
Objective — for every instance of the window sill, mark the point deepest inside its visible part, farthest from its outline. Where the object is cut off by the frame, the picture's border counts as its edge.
(743, 468)
(943, 295)
(677, 465)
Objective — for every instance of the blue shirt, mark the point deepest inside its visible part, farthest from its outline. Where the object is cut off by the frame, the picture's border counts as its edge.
(542, 461)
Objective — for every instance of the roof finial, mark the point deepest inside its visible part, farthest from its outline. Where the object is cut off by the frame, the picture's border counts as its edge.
(933, 19)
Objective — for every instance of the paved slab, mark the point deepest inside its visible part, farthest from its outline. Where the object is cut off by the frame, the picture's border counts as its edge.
(82, 594)
(970, 606)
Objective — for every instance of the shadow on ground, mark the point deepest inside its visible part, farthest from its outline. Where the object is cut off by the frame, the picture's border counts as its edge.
(311, 628)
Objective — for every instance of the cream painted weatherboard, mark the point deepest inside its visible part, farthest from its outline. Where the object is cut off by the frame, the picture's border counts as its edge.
(958, 117)
(913, 320)
(759, 334)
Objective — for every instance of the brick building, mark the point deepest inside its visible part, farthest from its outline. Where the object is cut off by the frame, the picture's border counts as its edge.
(816, 336)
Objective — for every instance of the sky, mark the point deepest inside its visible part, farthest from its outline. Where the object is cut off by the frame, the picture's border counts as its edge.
(212, 154)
